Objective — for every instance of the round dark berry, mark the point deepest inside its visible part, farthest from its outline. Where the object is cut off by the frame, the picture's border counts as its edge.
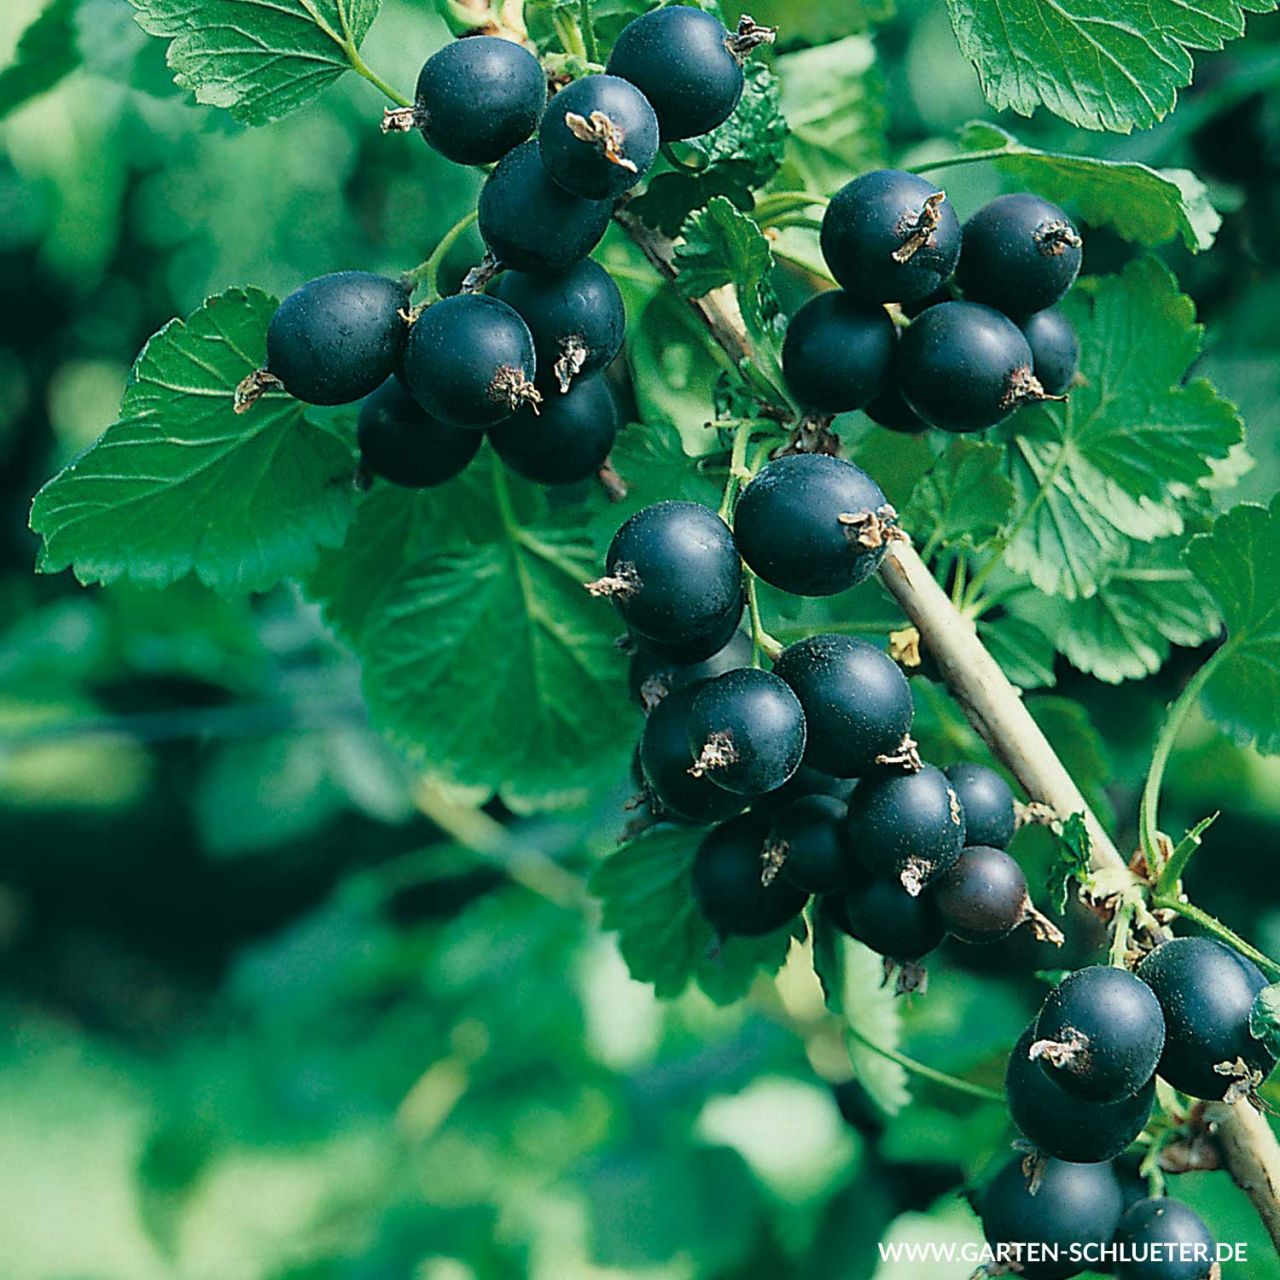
(809, 842)
(401, 442)
(989, 816)
(806, 782)
(1055, 350)
(665, 761)
(1074, 1204)
(1021, 254)
(576, 318)
(811, 524)
(891, 411)
(599, 137)
(747, 731)
(729, 881)
(1062, 1125)
(680, 59)
(479, 97)
(530, 222)
(565, 439)
(1164, 1239)
(696, 647)
(907, 827)
(882, 915)
(890, 236)
(837, 352)
(338, 337)
(469, 361)
(1100, 1033)
(965, 367)
(672, 572)
(1206, 991)
(983, 897)
(652, 677)
(856, 701)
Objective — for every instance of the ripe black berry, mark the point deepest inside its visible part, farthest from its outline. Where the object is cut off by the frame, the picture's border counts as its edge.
(891, 411)
(566, 440)
(665, 762)
(890, 236)
(856, 701)
(1065, 1126)
(693, 647)
(965, 367)
(1164, 1240)
(747, 731)
(989, 816)
(576, 318)
(680, 59)
(401, 442)
(1074, 1204)
(530, 222)
(479, 97)
(599, 137)
(983, 897)
(729, 885)
(809, 843)
(882, 915)
(339, 337)
(672, 572)
(1099, 1034)
(1021, 254)
(812, 525)
(469, 361)
(1055, 351)
(652, 676)
(837, 352)
(806, 782)
(906, 826)
(1207, 991)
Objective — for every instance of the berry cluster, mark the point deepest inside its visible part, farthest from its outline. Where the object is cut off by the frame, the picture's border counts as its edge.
(890, 237)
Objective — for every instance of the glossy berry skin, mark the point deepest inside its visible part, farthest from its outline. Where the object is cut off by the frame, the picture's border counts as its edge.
(1206, 990)
(681, 580)
(882, 915)
(576, 318)
(754, 724)
(788, 528)
(652, 677)
(837, 352)
(530, 222)
(1074, 1204)
(962, 366)
(1055, 350)
(728, 884)
(806, 782)
(1021, 254)
(339, 337)
(566, 440)
(590, 168)
(1064, 1126)
(810, 834)
(983, 896)
(856, 701)
(404, 444)
(665, 761)
(1118, 1024)
(479, 97)
(988, 804)
(469, 360)
(695, 647)
(872, 218)
(907, 827)
(891, 411)
(679, 59)
(1166, 1240)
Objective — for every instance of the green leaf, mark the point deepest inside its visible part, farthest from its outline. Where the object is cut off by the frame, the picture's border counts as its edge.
(1147, 206)
(1022, 649)
(1098, 64)
(1264, 1018)
(1236, 563)
(1072, 862)
(260, 59)
(964, 500)
(183, 484)
(47, 53)
(1098, 471)
(1080, 747)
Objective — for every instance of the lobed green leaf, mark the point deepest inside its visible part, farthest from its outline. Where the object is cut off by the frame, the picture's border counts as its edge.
(964, 500)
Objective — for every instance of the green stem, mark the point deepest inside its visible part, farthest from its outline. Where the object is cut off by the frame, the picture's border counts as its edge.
(737, 469)
(762, 643)
(361, 68)
(777, 203)
(1120, 939)
(1211, 924)
(570, 34)
(965, 157)
(427, 273)
(925, 1072)
(588, 31)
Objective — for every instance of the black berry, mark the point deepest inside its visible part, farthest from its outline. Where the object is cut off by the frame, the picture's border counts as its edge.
(747, 731)
(1021, 254)
(882, 915)
(983, 897)
(1164, 1239)
(665, 764)
(989, 816)
(809, 843)
(891, 411)
(811, 524)
(694, 647)
(729, 882)
(652, 676)
(837, 352)
(566, 439)
(807, 782)
(1055, 350)
(339, 337)
(401, 442)
(890, 236)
